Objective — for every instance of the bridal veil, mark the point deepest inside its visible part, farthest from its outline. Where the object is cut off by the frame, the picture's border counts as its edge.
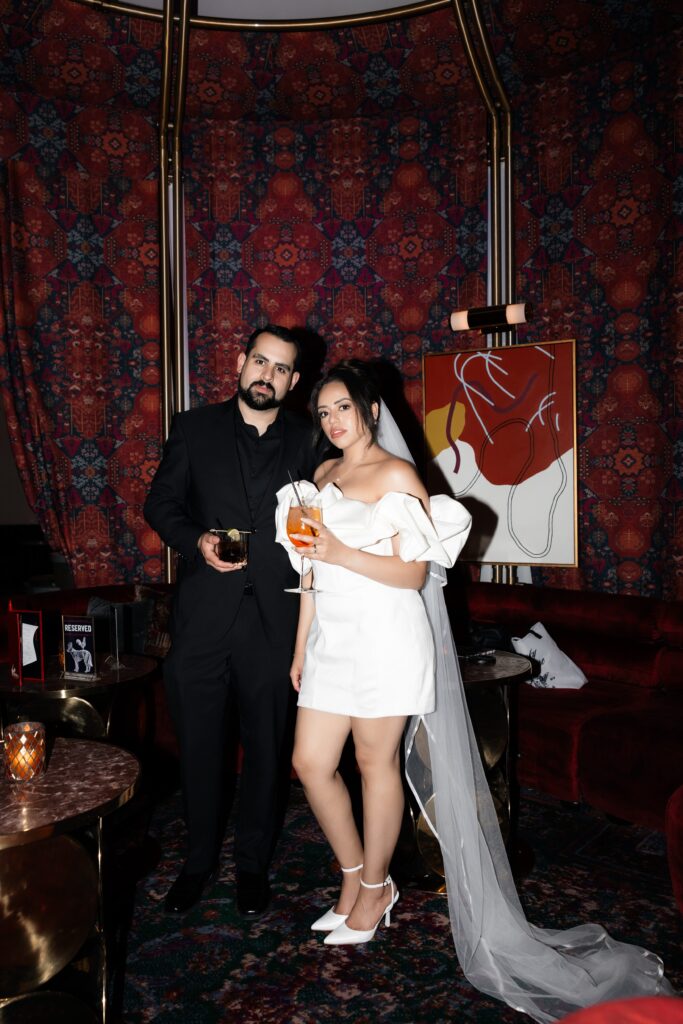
(543, 972)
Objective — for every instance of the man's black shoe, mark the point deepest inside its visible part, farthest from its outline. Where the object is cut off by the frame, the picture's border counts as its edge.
(253, 893)
(187, 890)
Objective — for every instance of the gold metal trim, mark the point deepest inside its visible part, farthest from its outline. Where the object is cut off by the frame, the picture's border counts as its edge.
(295, 25)
(500, 150)
(505, 115)
(494, 144)
(130, 9)
(165, 299)
(498, 108)
(178, 208)
(164, 178)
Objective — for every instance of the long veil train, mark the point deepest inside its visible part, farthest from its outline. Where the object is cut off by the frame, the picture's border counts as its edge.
(545, 973)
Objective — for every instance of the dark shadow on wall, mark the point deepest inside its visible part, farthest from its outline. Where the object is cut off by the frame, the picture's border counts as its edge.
(28, 564)
(390, 383)
(484, 522)
(313, 352)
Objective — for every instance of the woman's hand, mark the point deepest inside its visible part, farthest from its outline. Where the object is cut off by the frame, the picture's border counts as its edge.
(296, 670)
(324, 546)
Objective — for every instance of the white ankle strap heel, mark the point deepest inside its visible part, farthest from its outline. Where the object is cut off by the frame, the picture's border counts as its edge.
(345, 936)
(382, 885)
(331, 920)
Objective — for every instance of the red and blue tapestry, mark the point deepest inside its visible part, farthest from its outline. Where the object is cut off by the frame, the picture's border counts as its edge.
(337, 180)
(79, 259)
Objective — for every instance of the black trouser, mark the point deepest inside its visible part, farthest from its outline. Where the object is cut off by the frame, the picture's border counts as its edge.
(208, 664)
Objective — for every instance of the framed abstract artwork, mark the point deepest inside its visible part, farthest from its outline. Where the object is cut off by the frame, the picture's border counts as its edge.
(500, 426)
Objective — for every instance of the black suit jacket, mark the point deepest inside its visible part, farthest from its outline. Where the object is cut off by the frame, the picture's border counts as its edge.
(198, 486)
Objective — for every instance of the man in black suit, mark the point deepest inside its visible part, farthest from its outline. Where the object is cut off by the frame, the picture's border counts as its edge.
(232, 627)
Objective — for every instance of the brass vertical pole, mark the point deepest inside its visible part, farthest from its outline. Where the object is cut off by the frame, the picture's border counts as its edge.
(491, 89)
(103, 968)
(493, 147)
(178, 208)
(166, 299)
(505, 115)
(171, 248)
(492, 92)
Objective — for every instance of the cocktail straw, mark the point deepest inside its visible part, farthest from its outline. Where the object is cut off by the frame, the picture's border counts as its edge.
(296, 489)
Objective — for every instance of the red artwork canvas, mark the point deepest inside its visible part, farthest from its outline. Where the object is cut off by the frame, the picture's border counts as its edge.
(500, 425)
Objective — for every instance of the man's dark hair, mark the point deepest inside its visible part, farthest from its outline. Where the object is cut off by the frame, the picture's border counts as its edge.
(359, 380)
(283, 333)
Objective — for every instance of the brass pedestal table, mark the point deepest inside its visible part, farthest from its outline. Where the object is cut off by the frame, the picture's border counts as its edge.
(50, 887)
(487, 691)
(81, 707)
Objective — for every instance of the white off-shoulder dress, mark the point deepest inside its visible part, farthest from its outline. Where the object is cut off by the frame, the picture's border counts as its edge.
(370, 650)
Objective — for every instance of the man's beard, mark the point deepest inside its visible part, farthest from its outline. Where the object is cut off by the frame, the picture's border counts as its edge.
(255, 400)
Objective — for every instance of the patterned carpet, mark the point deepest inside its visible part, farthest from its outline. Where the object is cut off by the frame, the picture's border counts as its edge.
(211, 967)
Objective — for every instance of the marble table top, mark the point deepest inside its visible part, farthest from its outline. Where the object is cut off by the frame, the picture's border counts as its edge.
(85, 780)
(507, 668)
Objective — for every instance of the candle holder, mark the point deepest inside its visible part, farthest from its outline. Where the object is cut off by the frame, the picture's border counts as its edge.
(24, 753)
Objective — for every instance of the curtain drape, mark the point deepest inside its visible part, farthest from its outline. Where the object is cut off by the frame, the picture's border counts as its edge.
(45, 477)
(79, 358)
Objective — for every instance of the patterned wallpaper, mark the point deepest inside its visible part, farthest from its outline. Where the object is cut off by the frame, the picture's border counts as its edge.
(362, 215)
(596, 240)
(337, 180)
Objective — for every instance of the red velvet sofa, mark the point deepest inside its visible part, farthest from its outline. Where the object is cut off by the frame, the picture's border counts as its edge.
(617, 743)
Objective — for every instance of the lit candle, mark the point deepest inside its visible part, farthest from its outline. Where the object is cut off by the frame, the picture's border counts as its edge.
(24, 751)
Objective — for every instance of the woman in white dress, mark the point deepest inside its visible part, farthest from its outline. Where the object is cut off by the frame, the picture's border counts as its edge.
(364, 654)
(364, 661)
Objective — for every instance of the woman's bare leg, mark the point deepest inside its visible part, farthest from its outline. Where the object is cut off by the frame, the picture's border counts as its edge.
(318, 744)
(378, 743)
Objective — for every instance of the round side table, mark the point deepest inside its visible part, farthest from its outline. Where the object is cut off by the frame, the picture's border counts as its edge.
(52, 888)
(83, 706)
(487, 691)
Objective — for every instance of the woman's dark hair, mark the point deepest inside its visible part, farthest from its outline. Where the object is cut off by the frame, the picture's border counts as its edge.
(359, 380)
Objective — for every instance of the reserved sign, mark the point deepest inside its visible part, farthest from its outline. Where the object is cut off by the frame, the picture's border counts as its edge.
(78, 645)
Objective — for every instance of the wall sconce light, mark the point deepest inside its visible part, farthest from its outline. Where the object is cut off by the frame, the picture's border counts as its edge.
(491, 318)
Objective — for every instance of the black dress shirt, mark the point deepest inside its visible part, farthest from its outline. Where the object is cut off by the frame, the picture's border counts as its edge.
(257, 454)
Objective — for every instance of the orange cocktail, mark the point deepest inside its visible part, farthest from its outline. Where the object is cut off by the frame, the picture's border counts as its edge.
(295, 525)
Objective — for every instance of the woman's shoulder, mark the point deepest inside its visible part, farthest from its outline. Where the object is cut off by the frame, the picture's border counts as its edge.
(396, 474)
(324, 471)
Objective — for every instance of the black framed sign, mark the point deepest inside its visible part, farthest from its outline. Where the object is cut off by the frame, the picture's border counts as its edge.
(78, 644)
